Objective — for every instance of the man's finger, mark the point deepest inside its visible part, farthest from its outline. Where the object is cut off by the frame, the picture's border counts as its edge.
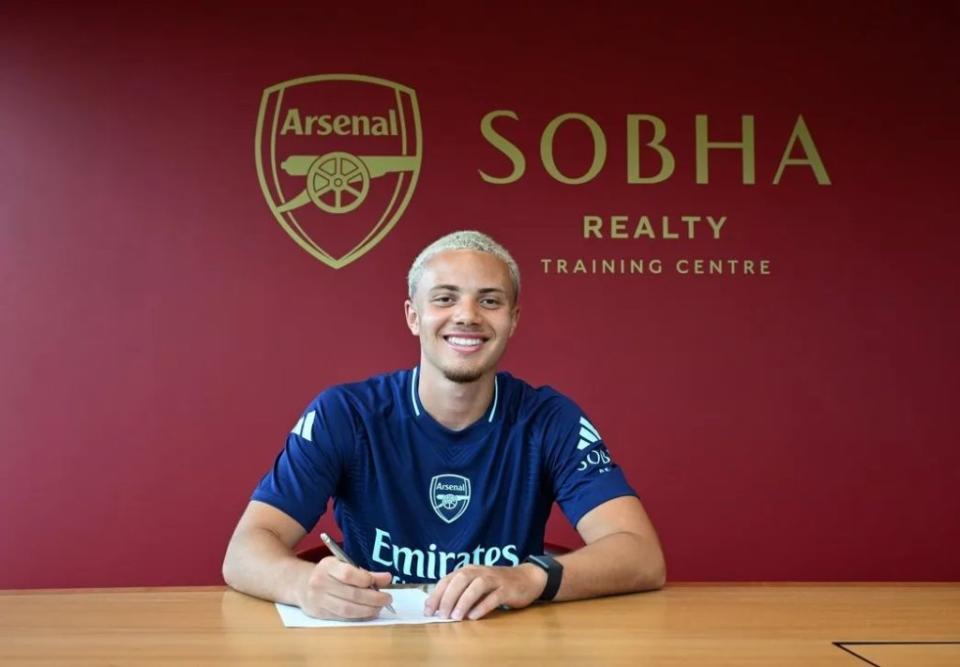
(433, 600)
(382, 579)
(352, 575)
(366, 596)
(458, 584)
(485, 606)
(472, 594)
(351, 611)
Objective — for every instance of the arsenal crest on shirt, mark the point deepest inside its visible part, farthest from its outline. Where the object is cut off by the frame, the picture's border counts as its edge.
(449, 496)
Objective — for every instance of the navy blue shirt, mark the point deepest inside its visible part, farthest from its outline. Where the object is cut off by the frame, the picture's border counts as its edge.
(419, 500)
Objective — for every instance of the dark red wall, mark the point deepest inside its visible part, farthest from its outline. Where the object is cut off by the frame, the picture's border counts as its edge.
(160, 333)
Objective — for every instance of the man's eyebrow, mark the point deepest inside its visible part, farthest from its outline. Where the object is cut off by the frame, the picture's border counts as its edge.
(454, 288)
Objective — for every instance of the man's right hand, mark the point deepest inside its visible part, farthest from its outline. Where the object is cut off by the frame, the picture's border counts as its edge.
(260, 562)
(336, 591)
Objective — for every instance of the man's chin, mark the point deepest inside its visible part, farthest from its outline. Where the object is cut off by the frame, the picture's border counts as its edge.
(463, 376)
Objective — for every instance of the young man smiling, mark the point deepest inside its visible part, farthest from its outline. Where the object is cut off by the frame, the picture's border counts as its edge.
(446, 472)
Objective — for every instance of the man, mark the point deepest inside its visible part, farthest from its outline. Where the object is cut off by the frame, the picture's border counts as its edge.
(446, 472)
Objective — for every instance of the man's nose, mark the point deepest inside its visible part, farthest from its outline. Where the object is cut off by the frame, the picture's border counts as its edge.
(467, 312)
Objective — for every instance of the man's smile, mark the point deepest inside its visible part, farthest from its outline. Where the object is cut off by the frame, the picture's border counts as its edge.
(465, 342)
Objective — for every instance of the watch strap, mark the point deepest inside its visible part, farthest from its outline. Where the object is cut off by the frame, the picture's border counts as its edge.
(554, 572)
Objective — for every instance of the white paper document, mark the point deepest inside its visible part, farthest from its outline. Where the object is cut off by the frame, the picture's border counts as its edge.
(407, 601)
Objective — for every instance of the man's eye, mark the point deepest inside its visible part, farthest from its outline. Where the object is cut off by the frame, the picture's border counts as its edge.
(443, 299)
(491, 303)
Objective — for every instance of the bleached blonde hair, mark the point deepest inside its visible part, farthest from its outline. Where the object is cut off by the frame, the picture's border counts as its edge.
(463, 240)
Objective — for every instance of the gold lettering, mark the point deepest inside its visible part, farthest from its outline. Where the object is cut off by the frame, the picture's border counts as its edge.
(729, 266)
(618, 227)
(324, 125)
(361, 125)
(380, 127)
(716, 224)
(292, 123)
(811, 155)
(499, 142)
(579, 267)
(667, 163)
(691, 220)
(591, 226)
(644, 228)
(665, 225)
(340, 125)
(599, 148)
(745, 145)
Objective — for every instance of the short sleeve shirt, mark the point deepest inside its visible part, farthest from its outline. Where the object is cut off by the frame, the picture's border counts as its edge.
(419, 500)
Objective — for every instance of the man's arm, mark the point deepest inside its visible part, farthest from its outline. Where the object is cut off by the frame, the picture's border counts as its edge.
(260, 562)
(622, 555)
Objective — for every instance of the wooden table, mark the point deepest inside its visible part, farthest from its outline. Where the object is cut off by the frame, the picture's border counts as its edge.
(692, 624)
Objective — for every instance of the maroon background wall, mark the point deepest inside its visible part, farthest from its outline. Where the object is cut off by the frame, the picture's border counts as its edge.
(160, 333)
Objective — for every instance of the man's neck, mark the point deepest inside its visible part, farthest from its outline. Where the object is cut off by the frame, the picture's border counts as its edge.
(456, 405)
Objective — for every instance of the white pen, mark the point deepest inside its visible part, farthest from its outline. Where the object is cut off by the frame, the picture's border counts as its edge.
(344, 558)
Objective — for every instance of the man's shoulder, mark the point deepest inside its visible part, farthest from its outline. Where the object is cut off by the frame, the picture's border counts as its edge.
(375, 392)
(543, 400)
(383, 383)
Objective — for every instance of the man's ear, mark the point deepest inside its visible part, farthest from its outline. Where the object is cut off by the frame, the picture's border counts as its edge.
(413, 318)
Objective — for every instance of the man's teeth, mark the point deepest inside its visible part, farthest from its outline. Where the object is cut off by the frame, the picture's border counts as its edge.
(466, 342)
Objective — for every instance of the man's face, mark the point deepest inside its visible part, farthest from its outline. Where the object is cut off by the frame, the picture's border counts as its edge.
(464, 312)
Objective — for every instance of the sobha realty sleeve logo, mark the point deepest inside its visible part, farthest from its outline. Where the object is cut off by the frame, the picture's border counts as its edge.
(338, 157)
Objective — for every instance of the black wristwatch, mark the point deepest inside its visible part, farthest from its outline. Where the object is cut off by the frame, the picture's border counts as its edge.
(554, 572)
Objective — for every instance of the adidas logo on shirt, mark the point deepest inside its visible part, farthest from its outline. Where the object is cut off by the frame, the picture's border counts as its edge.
(304, 426)
(588, 434)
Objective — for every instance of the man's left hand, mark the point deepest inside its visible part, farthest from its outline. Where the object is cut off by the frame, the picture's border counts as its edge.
(474, 591)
